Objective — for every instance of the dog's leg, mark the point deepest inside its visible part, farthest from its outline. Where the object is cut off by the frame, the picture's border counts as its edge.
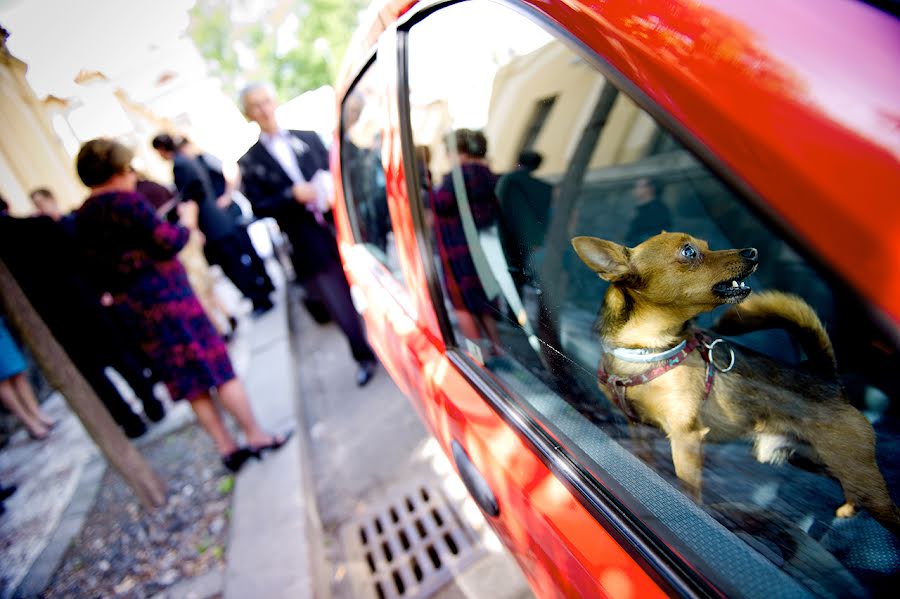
(687, 456)
(846, 444)
(642, 443)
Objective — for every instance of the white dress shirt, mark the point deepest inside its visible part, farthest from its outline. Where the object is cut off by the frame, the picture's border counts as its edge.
(284, 147)
(279, 146)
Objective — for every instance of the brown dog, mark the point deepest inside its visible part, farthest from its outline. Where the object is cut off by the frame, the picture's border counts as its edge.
(724, 393)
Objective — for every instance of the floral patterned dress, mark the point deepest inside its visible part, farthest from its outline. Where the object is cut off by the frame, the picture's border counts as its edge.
(132, 255)
(460, 276)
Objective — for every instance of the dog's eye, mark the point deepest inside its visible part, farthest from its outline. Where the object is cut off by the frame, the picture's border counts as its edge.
(689, 252)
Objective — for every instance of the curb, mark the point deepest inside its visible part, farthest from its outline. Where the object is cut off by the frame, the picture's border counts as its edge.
(275, 538)
(48, 561)
(300, 322)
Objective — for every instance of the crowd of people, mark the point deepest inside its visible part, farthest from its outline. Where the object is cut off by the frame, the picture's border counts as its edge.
(514, 206)
(123, 282)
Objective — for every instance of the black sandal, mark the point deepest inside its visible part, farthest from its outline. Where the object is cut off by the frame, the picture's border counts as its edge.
(237, 458)
(277, 441)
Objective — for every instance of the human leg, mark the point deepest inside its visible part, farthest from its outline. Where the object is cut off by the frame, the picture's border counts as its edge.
(11, 401)
(256, 264)
(236, 266)
(133, 370)
(335, 293)
(5, 493)
(489, 324)
(115, 404)
(29, 401)
(467, 324)
(210, 421)
(234, 399)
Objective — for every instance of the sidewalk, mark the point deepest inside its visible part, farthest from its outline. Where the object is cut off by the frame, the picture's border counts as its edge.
(273, 528)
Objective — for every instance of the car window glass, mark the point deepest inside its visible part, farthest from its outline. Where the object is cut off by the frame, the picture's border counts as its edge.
(362, 122)
(522, 147)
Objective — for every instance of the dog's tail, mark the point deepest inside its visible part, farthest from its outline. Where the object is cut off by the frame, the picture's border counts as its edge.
(778, 310)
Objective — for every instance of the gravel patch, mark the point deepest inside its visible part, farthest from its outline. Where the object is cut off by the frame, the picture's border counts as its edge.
(127, 552)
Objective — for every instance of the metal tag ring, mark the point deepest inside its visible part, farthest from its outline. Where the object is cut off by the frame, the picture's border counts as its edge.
(712, 360)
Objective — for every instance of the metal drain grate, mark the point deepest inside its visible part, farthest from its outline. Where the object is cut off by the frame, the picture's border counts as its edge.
(408, 546)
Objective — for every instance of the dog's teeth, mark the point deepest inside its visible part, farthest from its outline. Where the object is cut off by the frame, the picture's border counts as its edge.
(734, 284)
(743, 285)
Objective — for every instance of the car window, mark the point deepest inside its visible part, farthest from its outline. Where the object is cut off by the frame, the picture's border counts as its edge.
(362, 122)
(546, 191)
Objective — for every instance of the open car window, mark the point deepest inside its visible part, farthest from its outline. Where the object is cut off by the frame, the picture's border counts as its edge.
(524, 146)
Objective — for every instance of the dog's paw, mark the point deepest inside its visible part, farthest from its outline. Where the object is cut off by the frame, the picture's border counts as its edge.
(848, 510)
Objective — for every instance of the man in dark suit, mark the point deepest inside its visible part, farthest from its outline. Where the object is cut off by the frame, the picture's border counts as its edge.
(227, 244)
(285, 176)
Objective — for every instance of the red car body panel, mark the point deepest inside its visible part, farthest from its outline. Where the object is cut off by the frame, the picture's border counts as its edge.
(561, 548)
(808, 122)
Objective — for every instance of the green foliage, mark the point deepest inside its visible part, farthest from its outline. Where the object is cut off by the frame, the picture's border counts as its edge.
(241, 49)
(226, 485)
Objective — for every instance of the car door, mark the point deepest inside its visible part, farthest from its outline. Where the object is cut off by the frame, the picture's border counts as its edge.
(379, 243)
(509, 133)
(528, 140)
(535, 512)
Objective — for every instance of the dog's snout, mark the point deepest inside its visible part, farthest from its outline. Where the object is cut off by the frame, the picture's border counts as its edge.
(750, 254)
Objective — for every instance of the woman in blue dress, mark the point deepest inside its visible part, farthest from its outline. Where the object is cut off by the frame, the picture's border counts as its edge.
(16, 393)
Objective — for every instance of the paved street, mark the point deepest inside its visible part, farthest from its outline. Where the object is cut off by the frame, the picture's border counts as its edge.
(370, 457)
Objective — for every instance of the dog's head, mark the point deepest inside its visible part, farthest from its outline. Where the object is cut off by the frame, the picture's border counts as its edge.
(672, 269)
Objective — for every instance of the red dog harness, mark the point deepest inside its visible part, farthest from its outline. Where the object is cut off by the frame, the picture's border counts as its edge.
(617, 384)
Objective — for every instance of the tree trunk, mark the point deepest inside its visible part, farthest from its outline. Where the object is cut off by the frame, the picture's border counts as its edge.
(62, 374)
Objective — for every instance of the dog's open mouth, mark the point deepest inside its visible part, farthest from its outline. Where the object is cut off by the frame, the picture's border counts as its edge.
(732, 290)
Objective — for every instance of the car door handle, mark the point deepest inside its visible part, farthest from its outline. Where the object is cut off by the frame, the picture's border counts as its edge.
(478, 487)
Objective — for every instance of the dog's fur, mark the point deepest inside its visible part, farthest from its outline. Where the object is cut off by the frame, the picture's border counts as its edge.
(656, 289)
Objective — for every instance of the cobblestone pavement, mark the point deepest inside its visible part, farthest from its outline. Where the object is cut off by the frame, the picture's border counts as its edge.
(36, 467)
(128, 552)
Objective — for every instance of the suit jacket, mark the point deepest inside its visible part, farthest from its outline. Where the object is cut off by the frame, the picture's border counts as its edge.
(193, 183)
(524, 211)
(268, 188)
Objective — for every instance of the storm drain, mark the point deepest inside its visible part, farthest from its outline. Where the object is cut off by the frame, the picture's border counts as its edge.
(409, 546)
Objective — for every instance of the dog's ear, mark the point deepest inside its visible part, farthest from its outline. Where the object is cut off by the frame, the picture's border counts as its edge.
(609, 260)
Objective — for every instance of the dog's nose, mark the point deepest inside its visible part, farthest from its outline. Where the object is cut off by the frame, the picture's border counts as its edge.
(750, 254)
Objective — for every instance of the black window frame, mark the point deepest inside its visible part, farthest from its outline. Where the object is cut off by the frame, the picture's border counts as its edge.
(349, 201)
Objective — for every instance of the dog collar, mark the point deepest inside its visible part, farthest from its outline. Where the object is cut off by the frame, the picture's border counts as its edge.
(617, 384)
(642, 355)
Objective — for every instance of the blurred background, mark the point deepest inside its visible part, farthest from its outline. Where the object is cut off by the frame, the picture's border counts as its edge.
(73, 70)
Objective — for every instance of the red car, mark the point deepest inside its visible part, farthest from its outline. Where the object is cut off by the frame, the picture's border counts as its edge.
(479, 138)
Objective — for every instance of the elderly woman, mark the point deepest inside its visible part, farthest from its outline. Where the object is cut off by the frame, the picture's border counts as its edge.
(132, 253)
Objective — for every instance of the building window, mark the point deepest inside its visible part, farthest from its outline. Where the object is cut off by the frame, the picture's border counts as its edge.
(536, 123)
